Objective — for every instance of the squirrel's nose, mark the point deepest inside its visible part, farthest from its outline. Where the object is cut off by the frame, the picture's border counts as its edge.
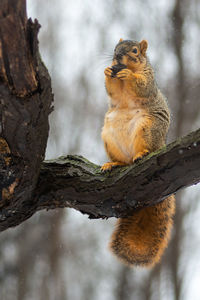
(118, 56)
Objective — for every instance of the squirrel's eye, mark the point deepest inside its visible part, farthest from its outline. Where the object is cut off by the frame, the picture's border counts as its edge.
(134, 50)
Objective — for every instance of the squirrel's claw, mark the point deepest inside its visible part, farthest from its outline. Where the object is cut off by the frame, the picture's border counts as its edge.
(108, 72)
(125, 74)
(108, 166)
(140, 155)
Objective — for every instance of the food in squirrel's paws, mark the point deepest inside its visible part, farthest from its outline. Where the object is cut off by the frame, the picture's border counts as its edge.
(117, 68)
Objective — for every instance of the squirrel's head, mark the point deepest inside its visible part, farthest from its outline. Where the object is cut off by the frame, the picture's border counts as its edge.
(130, 53)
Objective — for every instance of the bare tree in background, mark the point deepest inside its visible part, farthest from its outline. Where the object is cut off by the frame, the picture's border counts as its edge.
(182, 92)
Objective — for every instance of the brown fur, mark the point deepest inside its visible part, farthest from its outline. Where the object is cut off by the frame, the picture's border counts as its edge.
(135, 125)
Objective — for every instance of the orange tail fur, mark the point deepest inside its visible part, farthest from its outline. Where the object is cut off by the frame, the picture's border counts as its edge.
(141, 239)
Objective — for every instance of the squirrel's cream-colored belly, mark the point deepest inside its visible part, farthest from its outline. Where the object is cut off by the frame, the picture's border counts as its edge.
(119, 131)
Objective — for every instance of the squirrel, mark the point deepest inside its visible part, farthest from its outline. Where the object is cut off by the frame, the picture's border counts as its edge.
(136, 124)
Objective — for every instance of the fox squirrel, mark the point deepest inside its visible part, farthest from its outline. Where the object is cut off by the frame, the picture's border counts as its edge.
(136, 124)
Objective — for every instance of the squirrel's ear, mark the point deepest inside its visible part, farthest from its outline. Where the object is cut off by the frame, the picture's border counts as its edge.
(143, 47)
(120, 40)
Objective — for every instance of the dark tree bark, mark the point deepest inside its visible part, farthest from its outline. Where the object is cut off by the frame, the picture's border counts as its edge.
(28, 184)
(25, 103)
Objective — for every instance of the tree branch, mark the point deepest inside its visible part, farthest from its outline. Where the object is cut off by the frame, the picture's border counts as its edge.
(75, 182)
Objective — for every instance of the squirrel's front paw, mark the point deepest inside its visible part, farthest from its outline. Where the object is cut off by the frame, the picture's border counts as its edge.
(125, 74)
(108, 71)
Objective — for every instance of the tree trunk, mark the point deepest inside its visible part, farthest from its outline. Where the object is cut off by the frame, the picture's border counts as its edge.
(25, 103)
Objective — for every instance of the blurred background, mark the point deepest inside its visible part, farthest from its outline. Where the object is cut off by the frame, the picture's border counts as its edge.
(60, 254)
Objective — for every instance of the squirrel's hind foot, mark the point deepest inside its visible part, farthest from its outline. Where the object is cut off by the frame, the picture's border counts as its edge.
(108, 166)
(140, 155)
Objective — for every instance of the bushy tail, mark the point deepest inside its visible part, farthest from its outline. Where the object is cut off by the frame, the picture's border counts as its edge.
(141, 239)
